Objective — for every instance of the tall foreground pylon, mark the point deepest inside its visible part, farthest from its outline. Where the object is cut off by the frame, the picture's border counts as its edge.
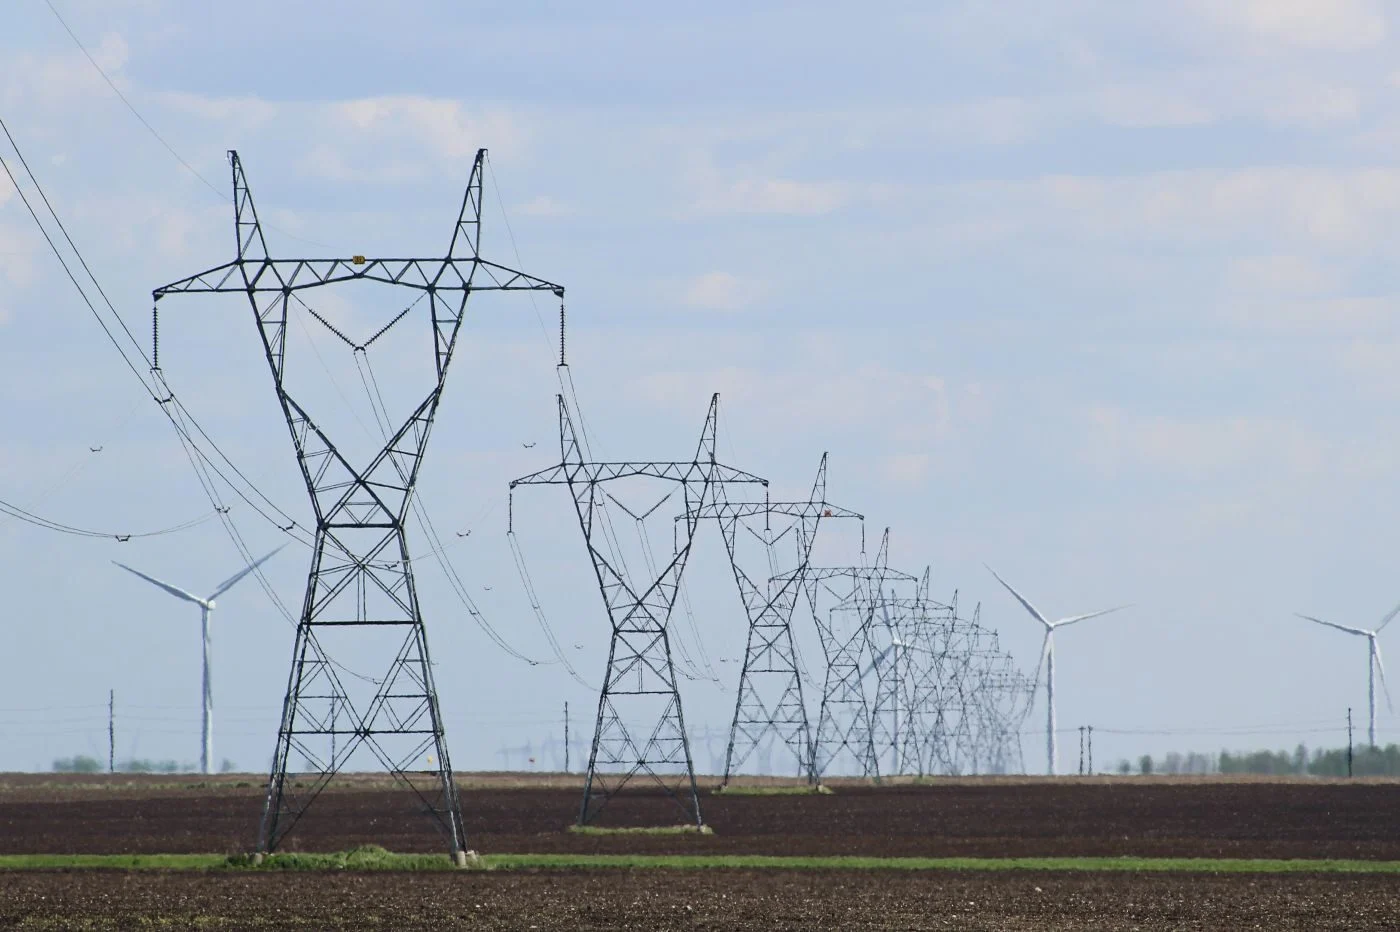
(360, 591)
(640, 729)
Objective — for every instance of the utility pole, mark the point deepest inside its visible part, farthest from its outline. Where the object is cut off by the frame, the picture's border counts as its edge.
(1081, 750)
(1349, 756)
(112, 730)
(566, 736)
(361, 572)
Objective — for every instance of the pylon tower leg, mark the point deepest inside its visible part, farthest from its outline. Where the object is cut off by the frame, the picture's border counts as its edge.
(324, 723)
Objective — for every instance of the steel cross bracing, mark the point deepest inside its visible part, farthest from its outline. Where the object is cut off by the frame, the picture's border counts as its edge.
(884, 644)
(769, 702)
(844, 720)
(900, 665)
(361, 575)
(959, 698)
(639, 686)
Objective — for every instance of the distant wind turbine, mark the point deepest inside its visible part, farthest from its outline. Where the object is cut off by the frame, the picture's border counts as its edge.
(1047, 660)
(206, 608)
(1373, 664)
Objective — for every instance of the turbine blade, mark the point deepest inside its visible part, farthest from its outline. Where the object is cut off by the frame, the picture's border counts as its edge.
(1044, 652)
(876, 661)
(1332, 624)
(1074, 618)
(173, 590)
(227, 584)
(1380, 668)
(1388, 618)
(1019, 598)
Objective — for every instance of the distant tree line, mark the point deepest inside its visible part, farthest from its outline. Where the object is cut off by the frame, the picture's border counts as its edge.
(1319, 762)
(83, 763)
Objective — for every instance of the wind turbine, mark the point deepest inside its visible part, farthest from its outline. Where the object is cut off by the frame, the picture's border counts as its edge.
(1373, 663)
(1047, 660)
(206, 608)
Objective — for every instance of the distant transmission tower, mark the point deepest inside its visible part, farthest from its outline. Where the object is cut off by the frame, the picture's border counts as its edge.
(845, 724)
(769, 703)
(361, 579)
(639, 689)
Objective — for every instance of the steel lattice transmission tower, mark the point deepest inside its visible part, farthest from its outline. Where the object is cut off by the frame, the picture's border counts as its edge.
(639, 687)
(845, 725)
(361, 578)
(769, 702)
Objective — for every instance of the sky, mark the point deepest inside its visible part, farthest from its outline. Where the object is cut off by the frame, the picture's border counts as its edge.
(1096, 294)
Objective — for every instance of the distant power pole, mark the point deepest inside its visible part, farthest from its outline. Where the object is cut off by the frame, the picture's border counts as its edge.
(1091, 749)
(1081, 750)
(112, 731)
(1349, 759)
(566, 736)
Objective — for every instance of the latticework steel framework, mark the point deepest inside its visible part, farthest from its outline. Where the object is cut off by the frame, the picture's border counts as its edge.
(957, 701)
(769, 702)
(639, 693)
(361, 577)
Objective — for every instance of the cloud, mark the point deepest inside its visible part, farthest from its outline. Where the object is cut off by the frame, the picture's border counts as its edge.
(50, 80)
(1306, 24)
(819, 389)
(1327, 209)
(243, 113)
(543, 205)
(718, 291)
(906, 467)
(442, 125)
(777, 196)
(1289, 274)
(1201, 448)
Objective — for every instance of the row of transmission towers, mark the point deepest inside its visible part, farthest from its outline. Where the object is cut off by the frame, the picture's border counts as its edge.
(908, 686)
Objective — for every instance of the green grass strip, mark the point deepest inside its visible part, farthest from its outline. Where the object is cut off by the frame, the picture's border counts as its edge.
(735, 789)
(642, 830)
(778, 862)
(377, 859)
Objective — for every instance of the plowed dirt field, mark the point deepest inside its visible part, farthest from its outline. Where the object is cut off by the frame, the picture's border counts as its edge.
(989, 818)
(967, 818)
(694, 900)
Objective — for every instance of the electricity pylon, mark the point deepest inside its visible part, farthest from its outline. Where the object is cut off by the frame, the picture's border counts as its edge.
(639, 686)
(844, 722)
(769, 700)
(361, 577)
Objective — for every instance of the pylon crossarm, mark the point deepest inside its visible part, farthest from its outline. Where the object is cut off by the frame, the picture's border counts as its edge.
(284, 276)
(569, 473)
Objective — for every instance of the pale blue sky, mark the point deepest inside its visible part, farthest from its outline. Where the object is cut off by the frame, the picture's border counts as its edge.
(1097, 293)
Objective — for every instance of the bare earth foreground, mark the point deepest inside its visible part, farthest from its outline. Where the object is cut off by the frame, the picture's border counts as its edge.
(985, 818)
(708, 899)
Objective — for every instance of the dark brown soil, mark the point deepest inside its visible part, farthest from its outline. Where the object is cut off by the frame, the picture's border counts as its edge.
(1022, 818)
(664, 900)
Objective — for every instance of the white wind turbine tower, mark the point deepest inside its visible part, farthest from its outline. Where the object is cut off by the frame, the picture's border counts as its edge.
(1373, 664)
(1047, 660)
(206, 608)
